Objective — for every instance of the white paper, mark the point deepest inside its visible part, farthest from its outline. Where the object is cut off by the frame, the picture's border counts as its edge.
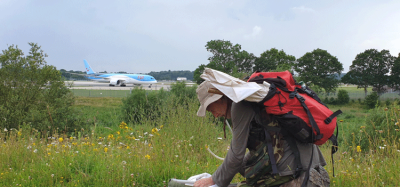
(234, 88)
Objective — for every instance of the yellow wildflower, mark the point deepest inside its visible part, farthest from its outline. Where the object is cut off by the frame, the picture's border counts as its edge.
(105, 149)
(19, 133)
(60, 139)
(118, 133)
(358, 149)
(123, 125)
(147, 156)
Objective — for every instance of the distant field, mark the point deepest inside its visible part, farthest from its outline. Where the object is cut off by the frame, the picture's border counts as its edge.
(354, 93)
(358, 93)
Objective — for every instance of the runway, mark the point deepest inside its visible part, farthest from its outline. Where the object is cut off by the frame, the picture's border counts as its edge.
(90, 85)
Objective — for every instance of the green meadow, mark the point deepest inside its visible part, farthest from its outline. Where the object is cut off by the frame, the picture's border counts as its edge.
(111, 152)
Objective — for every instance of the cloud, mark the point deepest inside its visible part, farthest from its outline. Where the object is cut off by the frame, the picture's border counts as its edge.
(256, 31)
(303, 9)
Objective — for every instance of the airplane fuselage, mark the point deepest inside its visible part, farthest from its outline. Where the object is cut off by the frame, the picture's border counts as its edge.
(123, 79)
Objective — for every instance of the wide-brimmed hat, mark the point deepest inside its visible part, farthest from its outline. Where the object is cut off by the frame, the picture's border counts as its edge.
(206, 96)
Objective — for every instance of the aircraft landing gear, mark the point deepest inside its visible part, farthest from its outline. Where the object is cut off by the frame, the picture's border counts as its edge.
(111, 85)
(150, 86)
(123, 85)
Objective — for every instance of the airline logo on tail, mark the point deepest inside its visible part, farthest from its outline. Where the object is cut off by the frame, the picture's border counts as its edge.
(88, 68)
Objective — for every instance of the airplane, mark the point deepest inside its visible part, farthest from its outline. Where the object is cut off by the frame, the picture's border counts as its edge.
(116, 79)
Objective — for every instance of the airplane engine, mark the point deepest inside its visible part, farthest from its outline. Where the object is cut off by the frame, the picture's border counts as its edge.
(114, 82)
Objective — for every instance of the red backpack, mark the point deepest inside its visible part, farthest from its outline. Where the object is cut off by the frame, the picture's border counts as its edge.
(297, 108)
(300, 114)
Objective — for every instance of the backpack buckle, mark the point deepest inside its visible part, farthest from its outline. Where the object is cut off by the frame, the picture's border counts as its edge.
(300, 98)
(291, 95)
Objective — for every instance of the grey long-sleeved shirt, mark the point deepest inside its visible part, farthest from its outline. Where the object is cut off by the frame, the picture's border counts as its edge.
(242, 114)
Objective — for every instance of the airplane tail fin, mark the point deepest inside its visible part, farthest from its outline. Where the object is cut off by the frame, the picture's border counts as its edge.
(89, 70)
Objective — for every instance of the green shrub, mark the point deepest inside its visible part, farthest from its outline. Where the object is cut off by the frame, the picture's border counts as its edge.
(183, 93)
(372, 100)
(326, 100)
(140, 105)
(343, 97)
(332, 101)
(33, 93)
(388, 102)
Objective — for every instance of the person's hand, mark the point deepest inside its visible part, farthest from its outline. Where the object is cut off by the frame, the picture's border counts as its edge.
(206, 182)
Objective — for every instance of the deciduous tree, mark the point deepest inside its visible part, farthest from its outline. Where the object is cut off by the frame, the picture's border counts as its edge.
(370, 68)
(32, 92)
(227, 58)
(320, 68)
(395, 74)
(272, 59)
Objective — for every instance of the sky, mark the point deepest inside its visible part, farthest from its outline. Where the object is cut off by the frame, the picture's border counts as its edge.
(158, 35)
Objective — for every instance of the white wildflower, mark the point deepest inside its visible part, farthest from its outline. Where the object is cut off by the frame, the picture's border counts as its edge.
(5, 130)
(35, 151)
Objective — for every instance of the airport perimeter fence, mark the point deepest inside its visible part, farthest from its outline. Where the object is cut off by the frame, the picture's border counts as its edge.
(100, 93)
(123, 93)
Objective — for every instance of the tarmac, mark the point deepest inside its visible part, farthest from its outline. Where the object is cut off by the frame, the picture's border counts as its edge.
(87, 85)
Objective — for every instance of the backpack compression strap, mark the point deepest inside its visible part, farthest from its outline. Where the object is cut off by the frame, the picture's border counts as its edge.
(310, 117)
(268, 141)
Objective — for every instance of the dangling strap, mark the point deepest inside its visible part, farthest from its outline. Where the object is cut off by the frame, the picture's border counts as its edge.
(309, 168)
(335, 148)
(293, 146)
(330, 118)
(268, 140)
(226, 114)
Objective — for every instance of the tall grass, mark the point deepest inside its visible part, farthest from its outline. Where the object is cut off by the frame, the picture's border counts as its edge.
(113, 153)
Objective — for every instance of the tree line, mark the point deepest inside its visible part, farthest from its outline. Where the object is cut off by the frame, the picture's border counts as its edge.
(318, 68)
(171, 75)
